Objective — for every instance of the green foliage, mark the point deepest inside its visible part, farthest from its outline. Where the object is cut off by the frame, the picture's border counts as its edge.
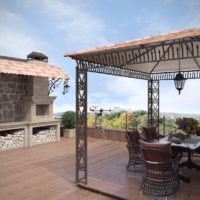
(91, 120)
(115, 120)
(113, 115)
(68, 119)
(143, 119)
(181, 136)
(139, 112)
(139, 118)
(187, 125)
(169, 125)
(135, 120)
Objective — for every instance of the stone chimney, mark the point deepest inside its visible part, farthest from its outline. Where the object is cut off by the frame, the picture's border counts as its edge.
(38, 105)
(37, 57)
(37, 86)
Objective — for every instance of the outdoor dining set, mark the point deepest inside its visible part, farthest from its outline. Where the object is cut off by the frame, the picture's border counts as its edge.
(158, 158)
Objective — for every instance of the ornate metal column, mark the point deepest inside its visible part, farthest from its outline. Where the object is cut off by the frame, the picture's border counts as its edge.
(153, 103)
(81, 122)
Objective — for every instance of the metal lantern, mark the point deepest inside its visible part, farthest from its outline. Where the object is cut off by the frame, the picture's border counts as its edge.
(179, 82)
(65, 87)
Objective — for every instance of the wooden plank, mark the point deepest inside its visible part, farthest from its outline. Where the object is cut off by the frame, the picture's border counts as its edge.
(48, 172)
(45, 172)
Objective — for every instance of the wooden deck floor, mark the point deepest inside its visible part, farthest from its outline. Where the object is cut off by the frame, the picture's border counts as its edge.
(47, 172)
(43, 172)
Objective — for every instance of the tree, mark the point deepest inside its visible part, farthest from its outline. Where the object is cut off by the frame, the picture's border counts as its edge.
(113, 115)
(143, 121)
(134, 122)
(68, 119)
(188, 125)
(91, 120)
(139, 112)
(170, 125)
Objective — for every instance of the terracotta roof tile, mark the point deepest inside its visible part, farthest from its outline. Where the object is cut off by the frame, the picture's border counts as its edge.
(31, 69)
(136, 42)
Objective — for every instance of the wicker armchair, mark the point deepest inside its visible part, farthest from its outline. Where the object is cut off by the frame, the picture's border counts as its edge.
(150, 134)
(160, 171)
(133, 146)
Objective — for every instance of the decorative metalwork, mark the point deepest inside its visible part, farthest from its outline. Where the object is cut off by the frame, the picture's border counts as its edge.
(153, 103)
(81, 123)
(55, 82)
(195, 74)
(148, 53)
(117, 71)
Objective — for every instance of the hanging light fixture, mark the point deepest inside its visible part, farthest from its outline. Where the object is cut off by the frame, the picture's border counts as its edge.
(179, 80)
(65, 87)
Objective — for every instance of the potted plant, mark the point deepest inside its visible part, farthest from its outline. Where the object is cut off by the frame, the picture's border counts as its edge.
(68, 122)
(187, 125)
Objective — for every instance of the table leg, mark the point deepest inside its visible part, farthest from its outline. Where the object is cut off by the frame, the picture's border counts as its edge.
(189, 163)
(185, 179)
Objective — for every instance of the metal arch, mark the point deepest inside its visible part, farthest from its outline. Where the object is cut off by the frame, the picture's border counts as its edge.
(117, 71)
(81, 122)
(153, 103)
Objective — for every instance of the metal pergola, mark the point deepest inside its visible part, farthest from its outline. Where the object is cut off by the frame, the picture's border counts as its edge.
(152, 58)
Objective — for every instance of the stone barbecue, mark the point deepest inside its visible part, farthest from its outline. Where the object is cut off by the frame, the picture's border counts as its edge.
(26, 109)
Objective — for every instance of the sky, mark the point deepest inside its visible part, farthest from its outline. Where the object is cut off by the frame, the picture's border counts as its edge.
(55, 27)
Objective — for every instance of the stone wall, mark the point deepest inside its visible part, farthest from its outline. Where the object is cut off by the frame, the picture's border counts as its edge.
(12, 88)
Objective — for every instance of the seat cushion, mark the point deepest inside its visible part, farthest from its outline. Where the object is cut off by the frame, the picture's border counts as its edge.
(163, 153)
(134, 136)
(150, 133)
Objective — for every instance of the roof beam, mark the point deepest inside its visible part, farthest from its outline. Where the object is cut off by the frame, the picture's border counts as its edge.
(135, 58)
(192, 53)
(146, 54)
(117, 71)
(167, 50)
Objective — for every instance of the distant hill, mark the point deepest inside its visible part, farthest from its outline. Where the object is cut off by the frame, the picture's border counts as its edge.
(58, 115)
(179, 115)
(166, 114)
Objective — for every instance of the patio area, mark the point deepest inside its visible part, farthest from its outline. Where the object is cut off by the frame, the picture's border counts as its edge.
(48, 172)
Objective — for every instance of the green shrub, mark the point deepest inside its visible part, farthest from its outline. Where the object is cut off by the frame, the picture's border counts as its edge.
(188, 125)
(68, 119)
